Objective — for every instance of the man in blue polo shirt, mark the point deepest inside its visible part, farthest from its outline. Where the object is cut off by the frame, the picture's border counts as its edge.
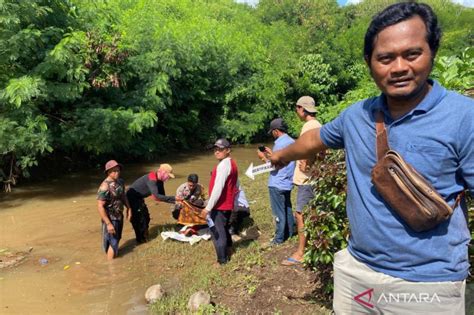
(280, 183)
(388, 267)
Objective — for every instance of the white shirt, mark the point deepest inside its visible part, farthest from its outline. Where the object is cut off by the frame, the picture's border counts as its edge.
(222, 172)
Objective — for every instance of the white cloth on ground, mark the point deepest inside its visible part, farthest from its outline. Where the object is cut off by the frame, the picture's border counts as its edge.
(203, 234)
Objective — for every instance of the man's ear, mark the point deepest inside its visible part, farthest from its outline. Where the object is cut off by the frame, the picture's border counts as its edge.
(367, 62)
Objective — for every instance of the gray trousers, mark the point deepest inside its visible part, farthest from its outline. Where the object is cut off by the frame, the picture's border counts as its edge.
(361, 290)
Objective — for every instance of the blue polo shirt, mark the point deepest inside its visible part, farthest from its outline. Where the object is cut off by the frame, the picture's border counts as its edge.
(282, 178)
(437, 139)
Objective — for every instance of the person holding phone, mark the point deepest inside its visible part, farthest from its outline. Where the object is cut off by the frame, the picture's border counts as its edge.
(280, 183)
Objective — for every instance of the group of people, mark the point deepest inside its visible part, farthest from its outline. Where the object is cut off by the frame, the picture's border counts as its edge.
(282, 180)
(112, 198)
(227, 204)
(226, 198)
(430, 126)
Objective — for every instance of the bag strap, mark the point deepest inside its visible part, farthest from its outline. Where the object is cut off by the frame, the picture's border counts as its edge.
(458, 199)
(381, 135)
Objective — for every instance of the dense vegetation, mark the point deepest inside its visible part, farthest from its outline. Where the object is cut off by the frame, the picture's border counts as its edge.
(87, 80)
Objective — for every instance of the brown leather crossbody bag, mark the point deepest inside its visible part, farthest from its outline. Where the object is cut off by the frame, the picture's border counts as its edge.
(404, 189)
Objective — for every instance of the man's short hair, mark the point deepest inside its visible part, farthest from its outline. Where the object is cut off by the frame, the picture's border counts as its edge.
(193, 178)
(308, 113)
(400, 12)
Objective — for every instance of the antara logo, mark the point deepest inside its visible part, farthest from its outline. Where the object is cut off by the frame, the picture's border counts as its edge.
(365, 301)
(365, 298)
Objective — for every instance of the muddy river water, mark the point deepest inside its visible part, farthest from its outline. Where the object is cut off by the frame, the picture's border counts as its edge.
(57, 223)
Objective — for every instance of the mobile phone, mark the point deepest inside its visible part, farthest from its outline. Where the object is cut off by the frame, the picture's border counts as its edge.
(261, 148)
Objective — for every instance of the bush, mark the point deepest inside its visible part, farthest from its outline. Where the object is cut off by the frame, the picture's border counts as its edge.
(456, 72)
(327, 227)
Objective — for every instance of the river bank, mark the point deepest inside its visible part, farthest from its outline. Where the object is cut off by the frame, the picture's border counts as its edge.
(59, 221)
(254, 282)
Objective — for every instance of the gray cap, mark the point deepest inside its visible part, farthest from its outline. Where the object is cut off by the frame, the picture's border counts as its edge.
(277, 123)
(307, 102)
(222, 143)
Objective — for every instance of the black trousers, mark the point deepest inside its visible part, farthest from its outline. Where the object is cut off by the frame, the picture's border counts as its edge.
(236, 218)
(140, 215)
(220, 234)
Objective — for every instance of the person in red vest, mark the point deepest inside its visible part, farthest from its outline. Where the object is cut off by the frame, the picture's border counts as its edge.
(223, 188)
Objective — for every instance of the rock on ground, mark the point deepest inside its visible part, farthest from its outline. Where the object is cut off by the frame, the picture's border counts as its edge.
(9, 259)
(197, 299)
(154, 293)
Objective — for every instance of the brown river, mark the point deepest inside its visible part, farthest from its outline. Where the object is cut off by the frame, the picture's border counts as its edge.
(57, 223)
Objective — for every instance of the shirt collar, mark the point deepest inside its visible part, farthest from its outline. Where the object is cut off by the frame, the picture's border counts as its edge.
(431, 99)
(281, 138)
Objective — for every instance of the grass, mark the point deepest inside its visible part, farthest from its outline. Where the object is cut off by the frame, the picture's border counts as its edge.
(186, 269)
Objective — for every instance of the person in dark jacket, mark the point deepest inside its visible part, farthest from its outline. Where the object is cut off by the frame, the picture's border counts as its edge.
(151, 184)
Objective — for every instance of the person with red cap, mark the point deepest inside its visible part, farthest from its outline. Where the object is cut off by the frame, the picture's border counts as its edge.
(111, 200)
(151, 184)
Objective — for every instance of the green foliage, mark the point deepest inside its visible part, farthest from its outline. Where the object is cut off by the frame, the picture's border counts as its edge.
(138, 78)
(327, 227)
(22, 90)
(315, 78)
(365, 89)
(27, 31)
(456, 72)
(105, 130)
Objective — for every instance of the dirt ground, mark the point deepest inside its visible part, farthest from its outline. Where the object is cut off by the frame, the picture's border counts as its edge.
(276, 289)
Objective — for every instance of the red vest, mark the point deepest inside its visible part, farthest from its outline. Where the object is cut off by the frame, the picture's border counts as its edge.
(226, 200)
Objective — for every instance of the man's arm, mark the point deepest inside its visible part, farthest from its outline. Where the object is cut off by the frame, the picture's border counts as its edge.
(305, 147)
(180, 192)
(104, 217)
(222, 172)
(158, 191)
(128, 209)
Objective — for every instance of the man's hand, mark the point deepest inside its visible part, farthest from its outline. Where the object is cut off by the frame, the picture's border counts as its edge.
(304, 165)
(261, 156)
(204, 213)
(110, 228)
(277, 160)
(264, 156)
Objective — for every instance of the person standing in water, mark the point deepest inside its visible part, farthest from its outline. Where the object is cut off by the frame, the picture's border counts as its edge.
(111, 200)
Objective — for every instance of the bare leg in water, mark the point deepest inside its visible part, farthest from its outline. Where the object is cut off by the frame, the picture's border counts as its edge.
(110, 253)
